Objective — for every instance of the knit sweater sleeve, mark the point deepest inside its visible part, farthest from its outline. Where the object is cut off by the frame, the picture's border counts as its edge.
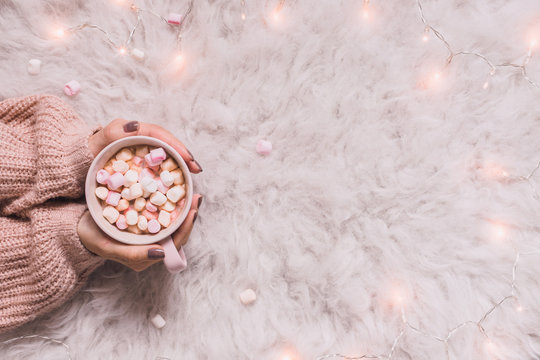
(42, 261)
(44, 152)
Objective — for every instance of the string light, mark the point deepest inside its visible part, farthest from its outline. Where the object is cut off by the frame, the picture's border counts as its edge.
(59, 33)
(365, 9)
(452, 54)
(243, 5)
(66, 346)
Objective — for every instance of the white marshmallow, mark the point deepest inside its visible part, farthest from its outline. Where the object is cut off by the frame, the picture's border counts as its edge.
(169, 164)
(158, 198)
(123, 204)
(135, 191)
(34, 66)
(130, 177)
(141, 151)
(142, 223)
(149, 184)
(164, 218)
(158, 321)
(146, 194)
(125, 154)
(139, 204)
(101, 192)
(126, 194)
(176, 193)
(248, 297)
(178, 177)
(137, 54)
(166, 178)
(111, 214)
(168, 206)
(131, 217)
(120, 166)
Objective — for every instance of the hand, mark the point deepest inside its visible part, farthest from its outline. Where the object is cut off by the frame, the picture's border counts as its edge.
(120, 128)
(136, 257)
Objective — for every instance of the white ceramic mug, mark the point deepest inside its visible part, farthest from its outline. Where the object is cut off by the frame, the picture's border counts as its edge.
(174, 260)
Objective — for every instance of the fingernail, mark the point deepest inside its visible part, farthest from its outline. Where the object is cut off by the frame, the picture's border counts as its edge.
(156, 254)
(195, 216)
(198, 165)
(190, 154)
(200, 202)
(131, 126)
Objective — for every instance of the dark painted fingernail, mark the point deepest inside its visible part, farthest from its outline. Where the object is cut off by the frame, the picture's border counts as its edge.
(131, 126)
(195, 216)
(200, 202)
(156, 254)
(198, 165)
(190, 154)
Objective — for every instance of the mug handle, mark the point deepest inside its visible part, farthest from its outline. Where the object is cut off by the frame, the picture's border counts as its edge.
(175, 260)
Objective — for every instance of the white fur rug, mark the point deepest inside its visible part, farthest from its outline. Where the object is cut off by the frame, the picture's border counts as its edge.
(383, 183)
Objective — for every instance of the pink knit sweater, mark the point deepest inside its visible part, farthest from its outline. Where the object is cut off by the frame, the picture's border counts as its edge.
(44, 158)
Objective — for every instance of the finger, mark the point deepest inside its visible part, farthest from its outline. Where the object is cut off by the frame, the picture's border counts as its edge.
(181, 236)
(116, 129)
(162, 134)
(131, 255)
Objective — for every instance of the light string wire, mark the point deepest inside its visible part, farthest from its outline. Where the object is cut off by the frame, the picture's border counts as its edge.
(138, 11)
(493, 67)
(66, 346)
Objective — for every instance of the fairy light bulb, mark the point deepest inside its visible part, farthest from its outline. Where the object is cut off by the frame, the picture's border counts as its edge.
(486, 85)
(365, 9)
(243, 16)
(425, 37)
(519, 308)
(179, 58)
(59, 33)
(121, 50)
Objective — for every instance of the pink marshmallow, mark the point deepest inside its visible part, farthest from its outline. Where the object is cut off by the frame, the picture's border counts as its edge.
(161, 186)
(149, 215)
(151, 207)
(155, 157)
(121, 223)
(174, 18)
(102, 176)
(116, 180)
(113, 198)
(146, 173)
(264, 147)
(153, 226)
(137, 160)
(72, 88)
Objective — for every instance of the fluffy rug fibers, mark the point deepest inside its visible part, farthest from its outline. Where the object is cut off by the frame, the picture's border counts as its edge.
(388, 218)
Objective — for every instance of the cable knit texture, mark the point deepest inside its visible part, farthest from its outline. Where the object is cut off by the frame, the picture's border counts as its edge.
(43, 163)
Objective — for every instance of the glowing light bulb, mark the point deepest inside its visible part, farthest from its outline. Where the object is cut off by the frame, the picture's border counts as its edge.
(122, 50)
(425, 37)
(437, 76)
(179, 58)
(59, 33)
(243, 16)
(486, 85)
(275, 15)
(519, 308)
(533, 43)
(286, 357)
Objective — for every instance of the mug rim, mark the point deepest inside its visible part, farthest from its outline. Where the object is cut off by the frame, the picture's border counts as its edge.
(93, 203)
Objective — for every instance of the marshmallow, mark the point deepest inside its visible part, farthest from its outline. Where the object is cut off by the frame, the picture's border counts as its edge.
(139, 204)
(158, 198)
(169, 164)
(248, 297)
(158, 321)
(161, 187)
(166, 178)
(178, 177)
(120, 166)
(151, 207)
(149, 184)
(264, 147)
(72, 88)
(124, 154)
(115, 181)
(146, 173)
(141, 151)
(102, 176)
(130, 178)
(121, 222)
(168, 206)
(137, 54)
(153, 226)
(123, 204)
(176, 193)
(146, 194)
(137, 160)
(108, 168)
(111, 214)
(135, 191)
(134, 229)
(126, 194)
(164, 218)
(150, 215)
(131, 217)
(101, 192)
(113, 198)
(155, 157)
(174, 18)
(34, 66)
(142, 223)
